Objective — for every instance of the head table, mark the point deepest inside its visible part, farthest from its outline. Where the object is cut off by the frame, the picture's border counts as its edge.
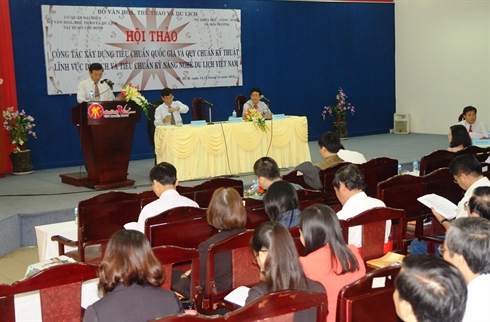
(226, 148)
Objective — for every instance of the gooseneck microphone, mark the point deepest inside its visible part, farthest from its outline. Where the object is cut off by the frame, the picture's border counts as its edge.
(207, 103)
(262, 97)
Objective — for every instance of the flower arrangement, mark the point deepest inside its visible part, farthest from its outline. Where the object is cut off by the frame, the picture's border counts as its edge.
(258, 119)
(131, 93)
(340, 108)
(19, 126)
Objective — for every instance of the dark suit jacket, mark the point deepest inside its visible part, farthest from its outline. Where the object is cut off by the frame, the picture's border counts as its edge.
(133, 303)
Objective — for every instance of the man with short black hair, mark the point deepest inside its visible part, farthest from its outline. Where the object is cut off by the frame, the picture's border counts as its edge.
(164, 181)
(467, 246)
(329, 145)
(255, 103)
(175, 108)
(429, 289)
(349, 186)
(101, 92)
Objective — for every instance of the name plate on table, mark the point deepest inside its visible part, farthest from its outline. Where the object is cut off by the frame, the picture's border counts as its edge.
(483, 142)
(198, 123)
(235, 119)
(278, 116)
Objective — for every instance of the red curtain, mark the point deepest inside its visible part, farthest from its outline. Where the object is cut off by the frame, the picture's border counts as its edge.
(8, 91)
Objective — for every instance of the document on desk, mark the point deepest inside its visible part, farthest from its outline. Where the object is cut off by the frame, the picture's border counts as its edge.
(442, 205)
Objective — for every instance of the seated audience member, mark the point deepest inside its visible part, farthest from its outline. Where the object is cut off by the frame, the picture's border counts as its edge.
(169, 106)
(467, 246)
(476, 129)
(277, 257)
(255, 103)
(467, 173)
(479, 203)
(429, 289)
(349, 186)
(329, 146)
(227, 214)
(281, 203)
(130, 279)
(101, 91)
(267, 172)
(163, 177)
(329, 260)
(351, 156)
(458, 138)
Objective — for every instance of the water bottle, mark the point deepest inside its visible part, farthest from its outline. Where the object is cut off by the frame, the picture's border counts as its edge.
(255, 187)
(266, 111)
(91, 94)
(76, 214)
(233, 114)
(169, 115)
(415, 165)
(399, 168)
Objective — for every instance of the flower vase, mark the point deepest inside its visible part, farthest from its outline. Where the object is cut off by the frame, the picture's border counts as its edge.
(21, 162)
(339, 127)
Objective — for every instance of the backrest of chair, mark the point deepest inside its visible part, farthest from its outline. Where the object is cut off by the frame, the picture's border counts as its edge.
(441, 182)
(460, 117)
(150, 121)
(294, 231)
(60, 289)
(7, 305)
(377, 170)
(479, 152)
(402, 191)
(373, 222)
(370, 298)
(297, 177)
(203, 192)
(182, 317)
(307, 198)
(198, 109)
(281, 304)
(181, 226)
(147, 197)
(240, 100)
(243, 270)
(327, 176)
(435, 160)
(101, 216)
(170, 255)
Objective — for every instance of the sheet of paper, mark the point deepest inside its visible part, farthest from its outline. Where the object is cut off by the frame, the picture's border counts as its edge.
(238, 295)
(443, 206)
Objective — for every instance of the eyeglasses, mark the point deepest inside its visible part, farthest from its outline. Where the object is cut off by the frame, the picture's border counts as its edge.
(441, 249)
(254, 260)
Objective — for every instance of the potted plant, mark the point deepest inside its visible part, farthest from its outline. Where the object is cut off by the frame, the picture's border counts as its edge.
(19, 125)
(339, 110)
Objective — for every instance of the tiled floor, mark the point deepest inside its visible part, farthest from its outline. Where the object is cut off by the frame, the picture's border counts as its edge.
(13, 266)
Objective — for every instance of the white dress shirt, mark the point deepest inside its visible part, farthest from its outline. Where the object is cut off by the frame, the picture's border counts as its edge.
(262, 107)
(356, 204)
(162, 111)
(168, 200)
(351, 156)
(460, 211)
(478, 300)
(84, 88)
(478, 129)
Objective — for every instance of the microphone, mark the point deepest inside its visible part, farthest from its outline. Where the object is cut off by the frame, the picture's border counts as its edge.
(207, 103)
(265, 99)
(108, 81)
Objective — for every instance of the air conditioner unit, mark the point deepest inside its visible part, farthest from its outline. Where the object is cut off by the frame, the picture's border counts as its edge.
(401, 124)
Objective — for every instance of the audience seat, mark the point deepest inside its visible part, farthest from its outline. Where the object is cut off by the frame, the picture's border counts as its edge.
(370, 298)
(435, 160)
(244, 272)
(98, 218)
(377, 170)
(328, 175)
(203, 192)
(60, 289)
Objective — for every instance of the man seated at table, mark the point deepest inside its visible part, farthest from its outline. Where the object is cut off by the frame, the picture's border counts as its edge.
(169, 106)
(164, 181)
(349, 186)
(429, 289)
(256, 103)
(476, 129)
(267, 172)
(329, 145)
(101, 92)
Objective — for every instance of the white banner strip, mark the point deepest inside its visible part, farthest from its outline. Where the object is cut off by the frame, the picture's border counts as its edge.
(149, 47)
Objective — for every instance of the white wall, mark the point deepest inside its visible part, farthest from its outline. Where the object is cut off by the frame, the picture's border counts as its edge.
(442, 61)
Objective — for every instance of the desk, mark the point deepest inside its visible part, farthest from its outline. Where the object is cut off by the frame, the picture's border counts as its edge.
(48, 249)
(200, 151)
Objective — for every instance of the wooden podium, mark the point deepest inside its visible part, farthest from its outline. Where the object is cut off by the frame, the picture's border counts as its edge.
(106, 132)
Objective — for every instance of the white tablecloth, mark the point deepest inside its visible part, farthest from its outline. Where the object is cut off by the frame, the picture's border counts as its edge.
(28, 305)
(48, 249)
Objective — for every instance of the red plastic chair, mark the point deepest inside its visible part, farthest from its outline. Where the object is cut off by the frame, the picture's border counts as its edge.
(363, 301)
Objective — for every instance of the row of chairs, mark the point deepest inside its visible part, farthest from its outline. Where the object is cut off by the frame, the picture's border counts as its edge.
(442, 158)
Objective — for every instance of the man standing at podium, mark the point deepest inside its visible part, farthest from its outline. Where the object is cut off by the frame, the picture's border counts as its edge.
(101, 91)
